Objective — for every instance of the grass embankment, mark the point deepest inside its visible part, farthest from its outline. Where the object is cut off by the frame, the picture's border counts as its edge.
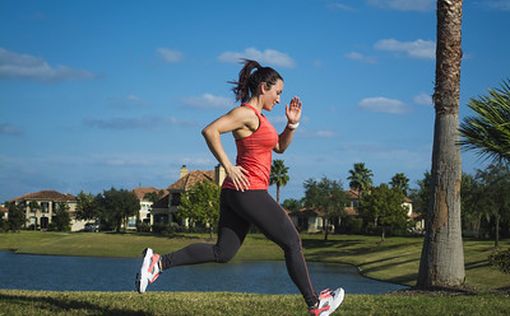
(395, 260)
(212, 304)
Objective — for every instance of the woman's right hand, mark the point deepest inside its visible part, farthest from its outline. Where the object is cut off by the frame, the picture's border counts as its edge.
(238, 175)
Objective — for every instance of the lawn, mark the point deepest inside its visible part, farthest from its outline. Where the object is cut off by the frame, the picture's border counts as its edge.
(25, 303)
(395, 260)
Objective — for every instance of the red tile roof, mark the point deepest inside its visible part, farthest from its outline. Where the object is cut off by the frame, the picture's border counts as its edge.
(162, 203)
(192, 178)
(47, 195)
(140, 192)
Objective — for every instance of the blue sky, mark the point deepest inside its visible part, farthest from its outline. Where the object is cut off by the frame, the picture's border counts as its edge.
(95, 94)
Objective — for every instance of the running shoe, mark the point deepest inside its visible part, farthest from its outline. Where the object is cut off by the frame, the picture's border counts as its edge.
(149, 271)
(328, 302)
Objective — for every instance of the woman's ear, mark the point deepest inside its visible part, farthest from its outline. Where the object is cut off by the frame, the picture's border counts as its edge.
(264, 87)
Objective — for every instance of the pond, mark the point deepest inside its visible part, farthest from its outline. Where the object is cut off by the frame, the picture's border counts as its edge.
(63, 273)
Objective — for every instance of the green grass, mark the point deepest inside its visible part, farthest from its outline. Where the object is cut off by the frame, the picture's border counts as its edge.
(395, 260)
(14, 302)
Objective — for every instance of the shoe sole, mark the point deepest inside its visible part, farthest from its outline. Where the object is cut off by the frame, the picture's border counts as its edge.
(340, 293)
(142, 278)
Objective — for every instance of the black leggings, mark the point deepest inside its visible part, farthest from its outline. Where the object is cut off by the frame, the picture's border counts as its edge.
(238, 210)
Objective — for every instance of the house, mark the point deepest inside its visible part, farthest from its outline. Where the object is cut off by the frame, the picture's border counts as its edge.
(144, 214)
(164, 210)
(312, 221)
(4, 212)
(40, 207)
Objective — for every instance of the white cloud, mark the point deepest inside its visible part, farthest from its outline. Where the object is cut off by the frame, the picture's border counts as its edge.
(126, 123)
(340, 6)
(170, 55)
(324, 134)
(503, 5)
(268, 56)
(131, 101)
(208, 100)
(404, 5)
(360, 57)
(423, 99)
(418, 49)
(24, 66)
(8, 129)
(384, 105)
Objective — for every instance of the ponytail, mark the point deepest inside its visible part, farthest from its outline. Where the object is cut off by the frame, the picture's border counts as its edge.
(247, 85)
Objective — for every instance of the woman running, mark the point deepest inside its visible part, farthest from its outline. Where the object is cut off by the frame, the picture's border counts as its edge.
(244, 199)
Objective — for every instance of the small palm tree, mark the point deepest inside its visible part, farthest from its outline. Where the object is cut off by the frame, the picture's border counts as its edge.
(360, 178)
(400, 182)
(488, 132)
(279, 176)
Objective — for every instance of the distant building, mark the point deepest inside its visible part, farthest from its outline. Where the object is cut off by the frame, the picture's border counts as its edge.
(311, 220)
(144, 214)
(40, 208)
(4, 212)
(164, 210)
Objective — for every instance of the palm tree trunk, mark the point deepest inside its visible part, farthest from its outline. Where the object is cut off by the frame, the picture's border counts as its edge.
(277, 194)
(496, 240)
(442, 258)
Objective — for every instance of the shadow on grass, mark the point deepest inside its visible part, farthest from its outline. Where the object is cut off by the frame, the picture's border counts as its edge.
(404, 279)
(476, 264)
(388, 265)
(67, 304)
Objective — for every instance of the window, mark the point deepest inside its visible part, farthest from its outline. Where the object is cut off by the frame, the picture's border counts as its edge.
(45, 207)
(176, 199)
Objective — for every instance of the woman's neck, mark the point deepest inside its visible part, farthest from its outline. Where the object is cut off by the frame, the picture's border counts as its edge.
(256, 102)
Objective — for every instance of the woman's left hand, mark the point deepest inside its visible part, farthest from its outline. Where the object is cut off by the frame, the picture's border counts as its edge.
(293, 110)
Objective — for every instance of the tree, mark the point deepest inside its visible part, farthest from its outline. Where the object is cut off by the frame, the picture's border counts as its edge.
(384, 207)
(292, 205)
(154, 196)
(279, 176)
(494, 196)
(471, 195)
(442, 257)
(360, 178)
(327, 197)
(400, 182)
(488, 132)
(421, 196)
(61, 221)
(15, 217)
(86, 207)
(202, 204)
(115, 206)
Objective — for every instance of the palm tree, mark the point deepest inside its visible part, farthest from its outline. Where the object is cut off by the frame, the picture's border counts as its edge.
(400, 182)
(279, 176)
(488, 132)
(442, 257)
(360, 178)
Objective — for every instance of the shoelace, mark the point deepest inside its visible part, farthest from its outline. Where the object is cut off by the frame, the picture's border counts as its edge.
(324, 294)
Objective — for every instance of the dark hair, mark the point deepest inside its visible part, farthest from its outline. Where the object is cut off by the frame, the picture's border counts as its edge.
(248, 83)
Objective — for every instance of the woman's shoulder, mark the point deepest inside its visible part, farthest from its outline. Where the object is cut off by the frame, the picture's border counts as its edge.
(243, 112)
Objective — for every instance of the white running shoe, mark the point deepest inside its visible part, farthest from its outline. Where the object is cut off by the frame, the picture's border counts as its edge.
(149, 271)
(328, 302)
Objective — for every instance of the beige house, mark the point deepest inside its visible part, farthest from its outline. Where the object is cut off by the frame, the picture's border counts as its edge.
(40, 207)
(144, 214)
(4, 212)
(164, 210)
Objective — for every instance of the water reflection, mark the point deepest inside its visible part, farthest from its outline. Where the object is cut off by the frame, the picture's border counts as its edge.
(62, 273)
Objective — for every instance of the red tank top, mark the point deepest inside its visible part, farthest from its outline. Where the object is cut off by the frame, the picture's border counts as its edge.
(254, 154)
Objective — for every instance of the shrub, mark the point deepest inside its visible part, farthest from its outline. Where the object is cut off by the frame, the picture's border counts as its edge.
(501, 260)
(142, 227)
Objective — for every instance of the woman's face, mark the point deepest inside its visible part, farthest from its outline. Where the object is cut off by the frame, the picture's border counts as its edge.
(271, 97)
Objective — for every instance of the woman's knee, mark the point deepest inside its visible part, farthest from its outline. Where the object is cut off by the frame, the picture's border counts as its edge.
(224, 255)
